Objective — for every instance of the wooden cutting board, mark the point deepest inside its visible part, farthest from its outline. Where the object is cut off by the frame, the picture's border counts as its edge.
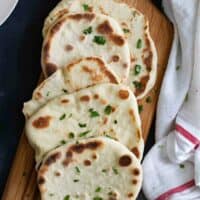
(21, 183)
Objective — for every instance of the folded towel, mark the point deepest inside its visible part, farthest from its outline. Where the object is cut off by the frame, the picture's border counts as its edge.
(178, 112)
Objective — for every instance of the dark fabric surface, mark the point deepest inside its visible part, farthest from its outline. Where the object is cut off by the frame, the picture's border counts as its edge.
(20, 46)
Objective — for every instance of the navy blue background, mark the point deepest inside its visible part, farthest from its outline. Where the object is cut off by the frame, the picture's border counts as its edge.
(20, 47)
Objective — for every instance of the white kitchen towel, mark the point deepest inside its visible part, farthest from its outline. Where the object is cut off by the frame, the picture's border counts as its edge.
(177, 78)
(164, 180)
(178, 112)
(183, 142)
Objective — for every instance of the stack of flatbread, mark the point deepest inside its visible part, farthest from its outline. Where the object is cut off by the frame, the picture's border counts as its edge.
(83, 120)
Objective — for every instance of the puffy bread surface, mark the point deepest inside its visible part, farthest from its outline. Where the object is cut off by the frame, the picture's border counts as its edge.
(95, 168)
(104, 109)
(82, 35)
(143, 53)
(78, 75)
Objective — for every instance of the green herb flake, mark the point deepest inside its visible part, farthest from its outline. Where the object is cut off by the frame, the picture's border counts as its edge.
(62, 116)
(182, 166)
(177, 67)
(187, 97)
(82, 125)
(64, 90)
(115, 170)
(139, 44)
(47, 93)
(70, 115)
(97, 198)
(137, 84)
(137, 69)
(87, 30)
(126, 30)
(104, 170)
(85, 7)
(134, 13)
(98, 189)
(93, 113)
(77, 170)
(115, 122)
(67, 197)
(62, 142)
(76, 180)
(84, 133)
(140, 108)
(100, 40)
(71, 135)
(51, 194)
(108, 110)
(148, 99)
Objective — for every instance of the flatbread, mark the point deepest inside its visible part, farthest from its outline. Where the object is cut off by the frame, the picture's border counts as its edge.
(104, 109)
(143, 69)
(94, 169)
(78, 75)
(84, 35)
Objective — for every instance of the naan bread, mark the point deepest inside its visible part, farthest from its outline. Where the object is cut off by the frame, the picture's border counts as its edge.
(93, 169)
(143, 70)
(104, 109)
(78, 75)
(86, 34)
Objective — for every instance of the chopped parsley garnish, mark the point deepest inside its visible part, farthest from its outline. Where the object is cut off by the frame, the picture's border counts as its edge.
(62, 116)
(85, 7)
(137, 84)
(137, 69)
(82, 125)
(140, 108)
(70, 115)
(115, 170)
(98, 189)
(100, 40)
(64, 90)
(87, 30)
(47, 93)
(62, 142)
(108, 136)
(67, 197)
(71, 135)
(51, 194)
(186, 97)
(139, 44)
(108, 110)
(126, 30)
(97, 198)
(84, 133)
(161, 146)
(182, 166)
(177, 67)
(134, 13)
(148, 99)
(76, 180)
(104, 170)
(93, 113)
(77, 170)
(115, 121)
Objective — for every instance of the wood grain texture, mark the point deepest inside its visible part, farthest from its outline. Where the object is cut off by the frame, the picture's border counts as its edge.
(21, 183)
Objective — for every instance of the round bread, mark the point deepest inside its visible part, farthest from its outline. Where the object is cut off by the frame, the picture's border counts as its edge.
(84, 35)
(78, 75)
(92, 169)
(143, 53)
(104, 109)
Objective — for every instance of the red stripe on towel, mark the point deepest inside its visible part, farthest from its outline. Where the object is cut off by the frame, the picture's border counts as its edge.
(187, 134)
(175, 190)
